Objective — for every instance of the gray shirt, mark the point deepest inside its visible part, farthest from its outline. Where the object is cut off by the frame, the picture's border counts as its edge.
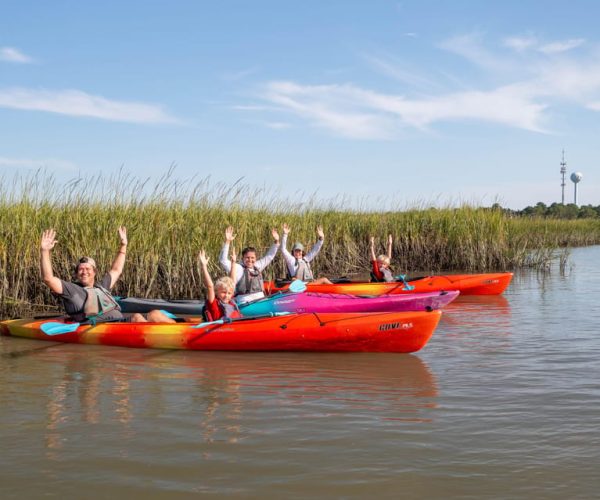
(74, 296)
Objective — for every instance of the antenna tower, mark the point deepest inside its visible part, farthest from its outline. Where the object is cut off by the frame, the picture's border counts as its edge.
(563, 172)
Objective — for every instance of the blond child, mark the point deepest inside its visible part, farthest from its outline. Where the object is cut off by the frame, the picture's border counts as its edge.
(381, 270)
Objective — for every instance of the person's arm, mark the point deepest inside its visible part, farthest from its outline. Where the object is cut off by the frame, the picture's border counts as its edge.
(223, 256)
(233, 272)
(270, 255)
(117, 266)
(210, 287)
(47, 243)
(316, 248)
(389, 246)
(372, 249)
(290, 262)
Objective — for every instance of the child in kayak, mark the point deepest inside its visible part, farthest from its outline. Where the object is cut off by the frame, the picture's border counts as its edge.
(219, 296)
(381, 270)
(85, 299)
(298, 262)
(249, 283)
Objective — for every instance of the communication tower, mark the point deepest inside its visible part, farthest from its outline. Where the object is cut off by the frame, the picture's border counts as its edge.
(563, 172)
(575, 178)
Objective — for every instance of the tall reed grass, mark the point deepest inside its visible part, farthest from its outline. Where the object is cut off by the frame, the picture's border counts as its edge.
(169, 221)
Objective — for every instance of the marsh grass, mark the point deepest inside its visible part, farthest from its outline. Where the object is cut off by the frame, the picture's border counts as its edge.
(169, 221)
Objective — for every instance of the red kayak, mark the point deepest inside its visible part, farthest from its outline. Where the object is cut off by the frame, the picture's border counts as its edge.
(466, 284)
(323, 332)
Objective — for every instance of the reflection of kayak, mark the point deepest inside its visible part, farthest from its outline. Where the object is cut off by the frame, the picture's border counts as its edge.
(337, 302)
(303, 302)
(323, 332)
(466, 284)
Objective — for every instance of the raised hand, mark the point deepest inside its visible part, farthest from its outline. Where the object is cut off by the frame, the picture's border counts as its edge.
(48, 239)
(275, 235)
(123, 235)
(229, 236)
(390, 239)
(233, 255)
(203, 258)
(320, 232)
(372, 241)
(286, 229)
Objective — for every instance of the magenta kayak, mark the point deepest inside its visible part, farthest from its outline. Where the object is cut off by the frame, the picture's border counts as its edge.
(338, 302)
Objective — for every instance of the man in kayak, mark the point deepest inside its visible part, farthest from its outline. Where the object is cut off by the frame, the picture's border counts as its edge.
(381, 270)
(85, 300)
(298, 262)
(249, 282)
(219, 296)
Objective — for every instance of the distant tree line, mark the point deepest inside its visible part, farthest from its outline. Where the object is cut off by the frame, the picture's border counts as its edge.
(555, 211)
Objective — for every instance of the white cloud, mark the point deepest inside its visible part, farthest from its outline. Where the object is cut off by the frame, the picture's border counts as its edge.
(10, 54)
(29, 163)
(520, 43)
(523, 43)
(350, 111)
(78, 103)
(561, 46)
(513, 90)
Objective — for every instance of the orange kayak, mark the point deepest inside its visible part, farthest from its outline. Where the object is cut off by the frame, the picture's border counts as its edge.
(466, 284)
(325, 332)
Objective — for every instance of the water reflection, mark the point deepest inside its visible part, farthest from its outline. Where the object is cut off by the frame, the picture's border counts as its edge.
(219, 393)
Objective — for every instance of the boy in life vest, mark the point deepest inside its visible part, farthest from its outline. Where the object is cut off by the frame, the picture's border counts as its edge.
(381, 270)
(219, 296)
(86, 300)
(249, 283)
(298, 262)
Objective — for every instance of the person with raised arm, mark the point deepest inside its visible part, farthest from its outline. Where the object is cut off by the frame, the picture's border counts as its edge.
(86, 300)
(298, 262)
(219, 301)
(249, 282)
(381, 270)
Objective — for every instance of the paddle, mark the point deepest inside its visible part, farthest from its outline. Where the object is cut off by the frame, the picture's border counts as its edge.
(55, 328)
(222, 321)
(402, 278)
(297, 286)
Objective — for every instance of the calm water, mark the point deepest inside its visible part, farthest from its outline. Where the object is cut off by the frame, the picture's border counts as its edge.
(504, 402)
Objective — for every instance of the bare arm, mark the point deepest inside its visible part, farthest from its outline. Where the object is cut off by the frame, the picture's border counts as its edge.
(117, 266)
(372, 249)
(389, 246)
(210, 287)
(47, 244)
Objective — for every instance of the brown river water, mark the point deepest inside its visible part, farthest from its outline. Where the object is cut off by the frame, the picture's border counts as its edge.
(504, 402)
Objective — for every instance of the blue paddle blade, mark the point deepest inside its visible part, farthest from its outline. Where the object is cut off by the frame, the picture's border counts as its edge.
(168, 314)
(55, 328)
(297, 286)
(402, 277)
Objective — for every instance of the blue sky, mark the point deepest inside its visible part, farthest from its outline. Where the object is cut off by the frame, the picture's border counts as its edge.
(396, 103)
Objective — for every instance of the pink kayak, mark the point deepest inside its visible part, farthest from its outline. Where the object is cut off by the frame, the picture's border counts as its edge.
(340, 303)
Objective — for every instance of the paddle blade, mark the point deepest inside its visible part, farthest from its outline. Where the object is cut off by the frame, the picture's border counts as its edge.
(297, 286)
(55, 328)
(168, 314)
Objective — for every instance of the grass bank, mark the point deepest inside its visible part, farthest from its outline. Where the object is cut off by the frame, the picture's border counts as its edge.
(169, 222)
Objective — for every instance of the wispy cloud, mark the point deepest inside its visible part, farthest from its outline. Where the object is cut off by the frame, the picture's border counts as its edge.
(10, 54)
(29, 163)
(561, 46)
(517, 91)
(531, 42)
(354, 112)
(78, 103)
